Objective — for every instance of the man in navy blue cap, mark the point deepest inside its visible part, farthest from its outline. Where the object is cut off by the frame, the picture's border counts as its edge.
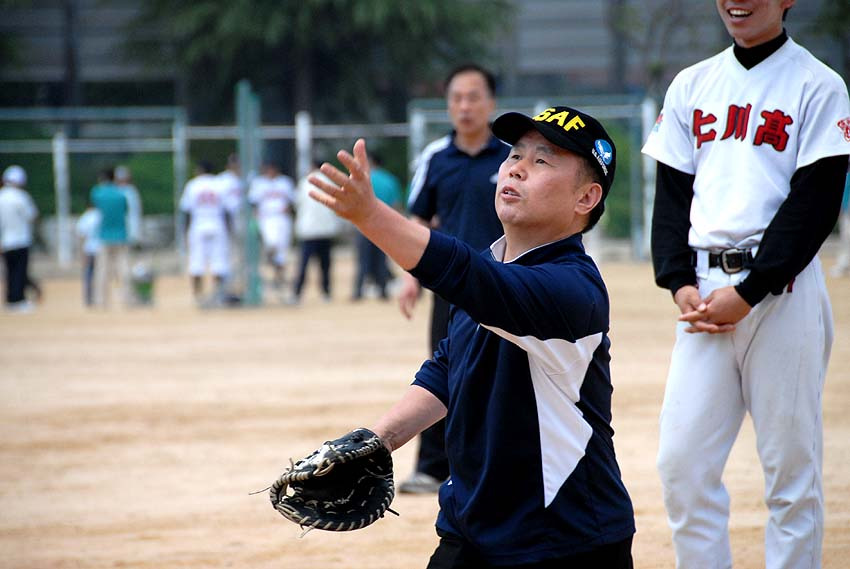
(523, 376)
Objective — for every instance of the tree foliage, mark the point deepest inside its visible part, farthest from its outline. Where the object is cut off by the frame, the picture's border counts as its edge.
(360, 59)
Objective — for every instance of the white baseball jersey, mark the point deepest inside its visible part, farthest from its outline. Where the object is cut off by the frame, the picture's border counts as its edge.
(204, 199)
(272, 196)
(793, 111)
(232, 185)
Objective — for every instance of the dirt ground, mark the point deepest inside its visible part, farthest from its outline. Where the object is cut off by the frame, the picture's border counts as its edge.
(132, 438)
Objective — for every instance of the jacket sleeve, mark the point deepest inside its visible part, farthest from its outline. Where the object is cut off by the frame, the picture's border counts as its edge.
(434, 373)
(671, 255)
(564, 299)
(800, 226)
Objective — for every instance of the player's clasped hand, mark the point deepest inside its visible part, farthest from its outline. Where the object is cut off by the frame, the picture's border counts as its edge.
(350, 195)
(719, 312)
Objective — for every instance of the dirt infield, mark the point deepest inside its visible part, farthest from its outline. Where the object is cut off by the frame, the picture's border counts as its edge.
(132, 438)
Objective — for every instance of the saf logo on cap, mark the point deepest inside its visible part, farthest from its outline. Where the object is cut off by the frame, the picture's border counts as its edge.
(574, 123)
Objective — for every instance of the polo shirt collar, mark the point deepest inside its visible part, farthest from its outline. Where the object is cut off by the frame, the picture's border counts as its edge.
(572, 244)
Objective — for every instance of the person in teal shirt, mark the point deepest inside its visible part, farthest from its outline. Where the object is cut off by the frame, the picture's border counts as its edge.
(113, 262)
(371, 261)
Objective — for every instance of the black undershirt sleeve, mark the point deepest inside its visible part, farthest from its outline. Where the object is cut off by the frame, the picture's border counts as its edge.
(800, 226)
(671, 212)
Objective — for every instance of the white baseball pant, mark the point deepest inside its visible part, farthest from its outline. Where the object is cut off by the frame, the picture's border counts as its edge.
(208, 250)
(276, 231)
(772, 366)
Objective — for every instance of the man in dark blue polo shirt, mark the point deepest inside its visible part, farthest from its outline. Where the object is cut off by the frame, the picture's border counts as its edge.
(523, 376)
(452, 191)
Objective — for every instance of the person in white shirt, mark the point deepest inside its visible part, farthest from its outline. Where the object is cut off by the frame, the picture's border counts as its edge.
(315, 228)
(234, 192)
(272, 195)
(124, 181)
(88, 232)
(208, 227)
(17, 215)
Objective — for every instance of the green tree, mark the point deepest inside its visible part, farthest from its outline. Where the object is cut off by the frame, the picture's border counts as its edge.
(339, 59)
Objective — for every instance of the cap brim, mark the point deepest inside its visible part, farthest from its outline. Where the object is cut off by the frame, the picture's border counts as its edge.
(510, 127)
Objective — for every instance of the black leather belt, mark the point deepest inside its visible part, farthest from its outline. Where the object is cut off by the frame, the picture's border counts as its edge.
(731, 260)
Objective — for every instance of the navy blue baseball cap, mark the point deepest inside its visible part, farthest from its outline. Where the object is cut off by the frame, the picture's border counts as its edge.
(568, 128)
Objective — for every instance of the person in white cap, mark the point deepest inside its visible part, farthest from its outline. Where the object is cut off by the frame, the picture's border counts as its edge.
(17, 214)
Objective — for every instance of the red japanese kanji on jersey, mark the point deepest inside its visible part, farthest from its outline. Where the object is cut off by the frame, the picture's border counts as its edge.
(737, 121)
(771, 131)
(699, 122)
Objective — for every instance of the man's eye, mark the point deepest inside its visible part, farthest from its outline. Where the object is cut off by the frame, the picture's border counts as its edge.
(541, 161)
(514, 156)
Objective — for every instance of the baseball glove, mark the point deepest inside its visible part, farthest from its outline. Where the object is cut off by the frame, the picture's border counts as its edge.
(346, 484)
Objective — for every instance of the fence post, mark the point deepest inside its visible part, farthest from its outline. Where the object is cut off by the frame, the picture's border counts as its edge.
(303, 144)
(181, 166)
(250, 150)
(417, 126)
(63, 199)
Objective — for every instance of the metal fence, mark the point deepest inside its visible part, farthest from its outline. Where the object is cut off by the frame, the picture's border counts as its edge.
(426, 120)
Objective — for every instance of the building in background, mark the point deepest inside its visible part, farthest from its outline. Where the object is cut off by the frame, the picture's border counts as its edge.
(75, 52)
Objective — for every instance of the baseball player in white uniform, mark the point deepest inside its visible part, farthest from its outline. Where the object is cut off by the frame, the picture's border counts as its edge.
(206, 203)
(752, 145)
(272, 194)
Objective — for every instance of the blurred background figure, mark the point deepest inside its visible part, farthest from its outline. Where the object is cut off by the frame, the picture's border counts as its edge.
(113, 261)
(842, 263)
(316, 227)
(234, 193)
(208, 222)
(88, 234)
(17, 216)
(371, 261)
(124, 181)
(454, 191)
(272, 194)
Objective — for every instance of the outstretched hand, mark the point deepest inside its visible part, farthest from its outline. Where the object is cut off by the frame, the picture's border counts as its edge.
(350, 195)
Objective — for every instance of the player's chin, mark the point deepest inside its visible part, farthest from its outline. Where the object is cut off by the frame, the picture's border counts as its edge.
(508, 214)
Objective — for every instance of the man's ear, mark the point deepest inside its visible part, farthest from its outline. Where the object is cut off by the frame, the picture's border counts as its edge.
(589, 199)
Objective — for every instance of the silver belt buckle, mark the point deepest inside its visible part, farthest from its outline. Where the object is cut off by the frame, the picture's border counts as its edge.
(724, 261)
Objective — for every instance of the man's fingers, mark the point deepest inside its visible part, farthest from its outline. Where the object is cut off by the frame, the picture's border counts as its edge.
(404, 306)
(358, 163)
(692, 316)
(323, 198)
(324, 185)
(335, 174)
(352, 164)
(704, 326)
(362, 156)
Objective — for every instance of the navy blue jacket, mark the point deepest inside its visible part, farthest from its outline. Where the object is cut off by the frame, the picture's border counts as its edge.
(459, 189)
(524, 375)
